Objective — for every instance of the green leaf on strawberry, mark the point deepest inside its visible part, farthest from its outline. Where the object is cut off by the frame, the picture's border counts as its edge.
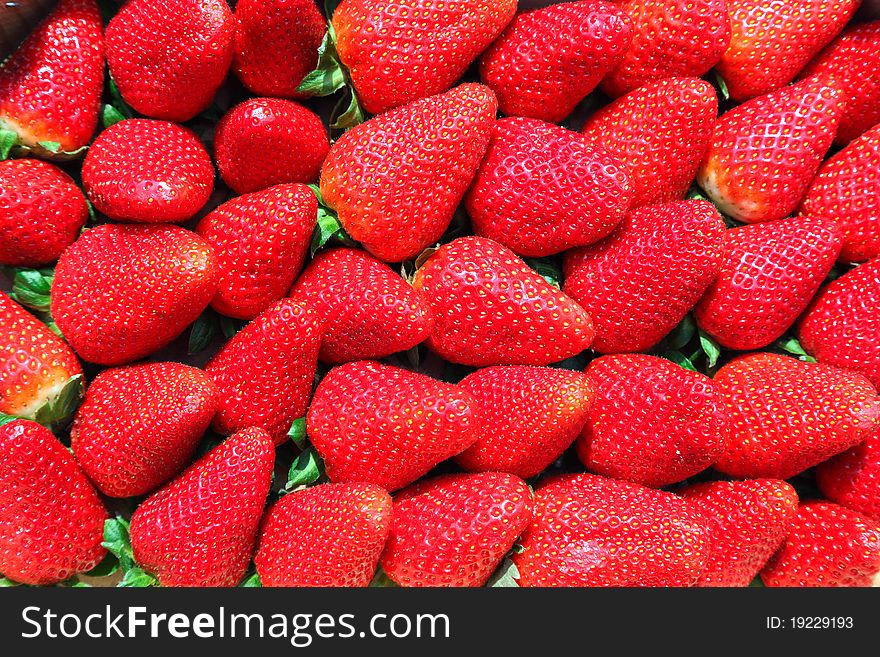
(297, 433)
(381, 580)
(329, 75)
(252, 581)
(548, 271)
(506, 576)
(111, 116)
(117, 540)
(32, 287)
(710, 348)
(683, 333)
(792, 346)
(306, 469)
(348, 112)
(679, 359)
(5, 582)
(58, 410)
(8, 140)
(203, 332)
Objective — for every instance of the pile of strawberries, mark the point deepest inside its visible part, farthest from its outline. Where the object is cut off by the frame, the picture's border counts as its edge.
(626, 334)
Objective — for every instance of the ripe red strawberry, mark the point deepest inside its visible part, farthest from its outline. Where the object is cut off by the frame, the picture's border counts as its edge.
(260, 241)
(276, 44)
(41, 212)
(548, 60)
(455, 530)
(772, 41)
(659, 133)
(265, 373)
(269, 141)
(387, 426)
(50, 88)
(787, 415)
(842, 326)
(122, 292)
(327, 535)
(528, 417)
(828, 546)
(396, 180)
(592, 531)
(764, 153)
(492, 309)
(847, 190)
(678, 38)
(769, 273)
(200, 529)
(852, 479)
(367, 309)
(640, 282)
(400, 51)
(168, 57)
(542, 189)
(51, 519)
(747, 521)
(139, 426)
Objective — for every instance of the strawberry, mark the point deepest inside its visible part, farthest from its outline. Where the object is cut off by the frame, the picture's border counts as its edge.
(772, 41)
(367, 309)
(747, 521)
(260, 241)
(327, 535)
(548, 60)
(403, 50)
(640, 282)
(168, 57)
(764, 153)
(200, 529)
(492, 309)
(50, 88)
(265, 373)
(269, 141)
(276, 44)
(670, 39)
(396, 180)
(528, 417)
(41, 212)
(852, 479)
(842, 327)
(592, 531)
(828, 546)
(769, 273)
(659, 133)
(542, 189)
(787, 415)
(51, 519)
(387, 426)
(139, 426)
(122, 292)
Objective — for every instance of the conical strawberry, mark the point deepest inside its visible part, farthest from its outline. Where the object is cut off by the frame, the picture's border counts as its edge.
(852, 479)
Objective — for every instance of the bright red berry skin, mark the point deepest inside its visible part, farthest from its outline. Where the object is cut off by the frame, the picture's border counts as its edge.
(265, 373)
(200, 529)
(327, 535)
(640, 282)
(400, 51)
(828, 546)
(168, 57)
(41, 212)
(659, 133)
(747, 521)
(492, 309)
(387, 426)
(528, 417)
(397, 179)
(51, 519)
(852, 479)
(769, 274)
(454, 530)
(368, 310)
(269, 141)
(260, 241)
(276, 44)
(592, 531)
(542, 189)
(50, 88)
(787, 415)
(550, 59)
(148, 171)
(140, 425)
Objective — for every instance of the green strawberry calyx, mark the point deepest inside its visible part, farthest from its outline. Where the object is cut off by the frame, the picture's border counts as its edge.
(117, 540)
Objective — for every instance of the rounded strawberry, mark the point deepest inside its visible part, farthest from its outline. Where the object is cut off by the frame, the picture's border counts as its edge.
(327, 535)
(852, 479)
(387, 426)
(492, 309)
(269, 141)
(542, 189)
(454, 530)
(260, 241)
